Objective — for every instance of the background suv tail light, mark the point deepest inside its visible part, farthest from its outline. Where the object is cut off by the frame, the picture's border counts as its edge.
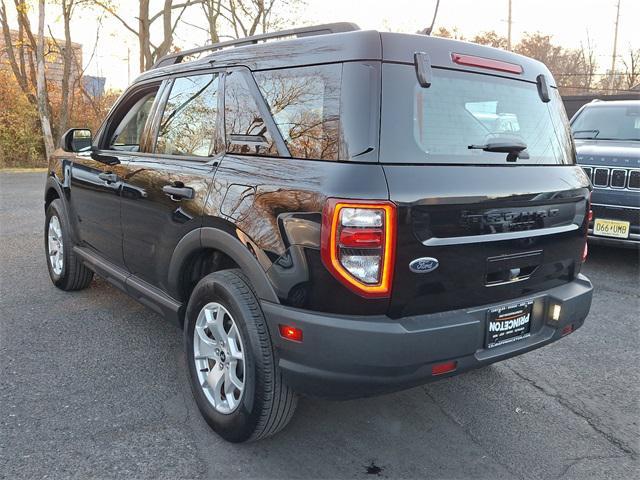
(358, 244)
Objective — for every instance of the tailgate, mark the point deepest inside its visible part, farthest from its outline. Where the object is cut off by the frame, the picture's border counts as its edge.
(497, 232)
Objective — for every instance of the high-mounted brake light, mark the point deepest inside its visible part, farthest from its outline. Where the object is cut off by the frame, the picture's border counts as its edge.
(358, 244)
(482, 62)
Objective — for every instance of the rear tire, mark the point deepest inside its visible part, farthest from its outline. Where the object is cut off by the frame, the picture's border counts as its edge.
(233, 373)
(65, 269)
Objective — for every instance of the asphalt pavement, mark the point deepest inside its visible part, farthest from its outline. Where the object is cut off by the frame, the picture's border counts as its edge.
(93, 385)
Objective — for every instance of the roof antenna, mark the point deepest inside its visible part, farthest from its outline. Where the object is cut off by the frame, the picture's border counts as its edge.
(428, 30)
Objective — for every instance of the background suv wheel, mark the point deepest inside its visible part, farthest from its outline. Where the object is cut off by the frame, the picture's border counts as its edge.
(234, 377)
(65, 269)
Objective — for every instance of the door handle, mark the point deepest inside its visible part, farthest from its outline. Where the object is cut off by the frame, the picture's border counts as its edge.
(108, 177)
(178, 193)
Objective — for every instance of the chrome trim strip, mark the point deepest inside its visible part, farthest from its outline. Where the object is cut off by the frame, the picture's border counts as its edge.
(621, 207)
(497, 237)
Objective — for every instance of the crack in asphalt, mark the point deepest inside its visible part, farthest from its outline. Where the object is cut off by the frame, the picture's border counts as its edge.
(469, 434)
(577, 460)
(616, 442)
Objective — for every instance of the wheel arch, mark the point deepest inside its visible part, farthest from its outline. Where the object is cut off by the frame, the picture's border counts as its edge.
(216, 239)
(52, 190)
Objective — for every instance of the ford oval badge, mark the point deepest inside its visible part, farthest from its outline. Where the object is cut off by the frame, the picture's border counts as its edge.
(424, 265)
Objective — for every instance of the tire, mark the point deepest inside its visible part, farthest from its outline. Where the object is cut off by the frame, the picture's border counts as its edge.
(66, 270)
(265, 404)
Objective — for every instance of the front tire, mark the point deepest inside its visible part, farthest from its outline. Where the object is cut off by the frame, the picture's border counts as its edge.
(65, 269)
(234, 377)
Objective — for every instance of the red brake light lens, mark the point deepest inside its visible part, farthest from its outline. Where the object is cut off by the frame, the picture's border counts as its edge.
(358, 244)
(482, 62)
(361, 237)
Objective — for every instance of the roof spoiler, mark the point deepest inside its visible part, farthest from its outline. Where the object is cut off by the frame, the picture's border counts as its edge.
(324, 29)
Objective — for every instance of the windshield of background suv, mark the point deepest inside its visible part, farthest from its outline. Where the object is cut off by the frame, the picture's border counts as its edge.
(608, 122)
(460, 109)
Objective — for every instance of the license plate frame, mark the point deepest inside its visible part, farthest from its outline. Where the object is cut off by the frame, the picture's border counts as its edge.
(498, 330)
(610, 228)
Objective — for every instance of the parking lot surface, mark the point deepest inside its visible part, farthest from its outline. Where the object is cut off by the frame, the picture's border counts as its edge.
(93, 385)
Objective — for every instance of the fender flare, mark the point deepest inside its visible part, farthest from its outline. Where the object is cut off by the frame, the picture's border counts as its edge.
(207, 237)
(53, 183)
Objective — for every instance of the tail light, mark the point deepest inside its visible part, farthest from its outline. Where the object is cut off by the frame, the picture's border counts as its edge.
(358, 244)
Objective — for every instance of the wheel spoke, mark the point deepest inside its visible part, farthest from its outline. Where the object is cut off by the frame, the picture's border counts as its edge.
(231, 377)
(217, 325)
(234, 351)
(207, 346)
(214, 380)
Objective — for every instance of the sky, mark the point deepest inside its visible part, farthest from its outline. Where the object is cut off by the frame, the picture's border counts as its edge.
(570, 22)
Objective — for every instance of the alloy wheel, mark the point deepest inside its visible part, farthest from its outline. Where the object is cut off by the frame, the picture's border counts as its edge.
(219, 357)
(55, 245)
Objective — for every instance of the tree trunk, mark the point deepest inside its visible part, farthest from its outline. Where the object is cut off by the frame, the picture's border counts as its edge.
(68, 55)
(41, 87)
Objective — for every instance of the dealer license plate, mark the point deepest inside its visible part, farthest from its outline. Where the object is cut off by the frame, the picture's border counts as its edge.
(508, 324)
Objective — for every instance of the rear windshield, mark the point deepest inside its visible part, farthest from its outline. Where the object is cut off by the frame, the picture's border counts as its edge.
(462, 109)
(610, 122)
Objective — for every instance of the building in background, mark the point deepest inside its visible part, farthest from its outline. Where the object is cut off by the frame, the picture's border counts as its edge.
(53, 57)
(94, 86)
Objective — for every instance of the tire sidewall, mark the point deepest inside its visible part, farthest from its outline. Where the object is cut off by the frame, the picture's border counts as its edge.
(238, 425)
(55, 208)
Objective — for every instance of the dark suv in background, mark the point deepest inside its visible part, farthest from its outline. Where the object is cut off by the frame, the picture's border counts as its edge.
(607, 138)
(339, 213)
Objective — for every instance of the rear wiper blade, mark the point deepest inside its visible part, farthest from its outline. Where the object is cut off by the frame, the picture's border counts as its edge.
(513, 148)
(594, 132)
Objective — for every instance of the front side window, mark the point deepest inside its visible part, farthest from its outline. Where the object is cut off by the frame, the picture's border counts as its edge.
(305, 105)
(245, 128)
(608, 122)
(128, 133)
(188, 125)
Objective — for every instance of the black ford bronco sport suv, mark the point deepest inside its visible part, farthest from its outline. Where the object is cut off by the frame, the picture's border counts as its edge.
(607, 138)
(339, 213)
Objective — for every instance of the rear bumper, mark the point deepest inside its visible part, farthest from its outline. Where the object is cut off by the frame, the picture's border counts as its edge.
(354, 356)
(632, 242)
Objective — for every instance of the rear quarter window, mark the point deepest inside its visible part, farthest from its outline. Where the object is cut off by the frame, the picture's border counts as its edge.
(305, 105)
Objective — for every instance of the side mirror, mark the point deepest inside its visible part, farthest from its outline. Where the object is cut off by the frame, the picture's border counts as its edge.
(76, 140)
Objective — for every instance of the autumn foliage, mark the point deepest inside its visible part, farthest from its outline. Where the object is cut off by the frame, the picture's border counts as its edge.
(20, 136)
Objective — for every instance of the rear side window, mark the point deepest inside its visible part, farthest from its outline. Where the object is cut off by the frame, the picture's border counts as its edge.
(188, 125)
(245, 128)
(461, 109)
(305, 105)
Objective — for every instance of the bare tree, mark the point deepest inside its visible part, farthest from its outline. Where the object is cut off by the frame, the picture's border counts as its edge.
(16, 55)
(68, 56)
(213, 12)
(247, 16)
(149, 52)
(632, 68)
(41, 85)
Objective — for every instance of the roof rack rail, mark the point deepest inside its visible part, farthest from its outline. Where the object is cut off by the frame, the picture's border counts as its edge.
(324, 29)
